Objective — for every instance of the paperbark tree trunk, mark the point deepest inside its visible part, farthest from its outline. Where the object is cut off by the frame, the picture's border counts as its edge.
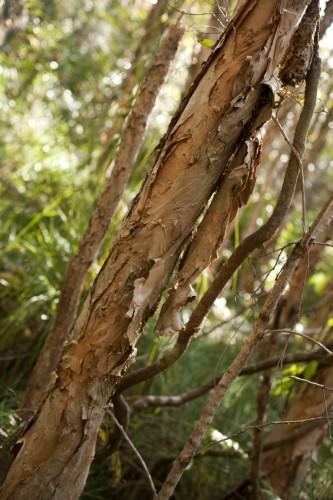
(55, 451)
(100, 219)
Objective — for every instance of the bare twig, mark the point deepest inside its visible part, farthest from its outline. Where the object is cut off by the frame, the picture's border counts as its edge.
(311, 382)
(269, 444)
(122, 413)
(289, 331)
(323, 244)
(144, 466)
(301, 167)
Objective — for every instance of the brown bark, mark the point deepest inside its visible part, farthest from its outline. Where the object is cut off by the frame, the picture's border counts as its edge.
(100, 220)
(58, 446)
(263, 234)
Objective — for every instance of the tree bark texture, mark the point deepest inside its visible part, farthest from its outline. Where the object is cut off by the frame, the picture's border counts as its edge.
(221, 109)
(100, 220)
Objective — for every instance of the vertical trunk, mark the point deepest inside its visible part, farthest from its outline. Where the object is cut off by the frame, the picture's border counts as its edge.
(58, 446)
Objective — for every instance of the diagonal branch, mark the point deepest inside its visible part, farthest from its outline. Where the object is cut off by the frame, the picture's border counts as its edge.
(100, 220)
(152, 401)
(143, 463)
(192, 445)
(263, 234)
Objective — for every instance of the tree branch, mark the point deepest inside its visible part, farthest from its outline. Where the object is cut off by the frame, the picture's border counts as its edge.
(192, 445)
(263, 234)
(152, 401)
(100, 219)
(143, 463)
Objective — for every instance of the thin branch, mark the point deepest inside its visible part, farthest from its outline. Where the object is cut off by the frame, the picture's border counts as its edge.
(323, 244)
(289, 437)
(289, 331)
(152, 401)
(300, 164)
(192, 445)
(144, 466)
(240, 254)
(311, 424)
(122, 413)
(311, 382)
(269, 444)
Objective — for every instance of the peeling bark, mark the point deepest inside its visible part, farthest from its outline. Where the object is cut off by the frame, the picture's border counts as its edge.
(58, 446)
(100, 220)
(233, 192)
(263, 234)
(237, 184)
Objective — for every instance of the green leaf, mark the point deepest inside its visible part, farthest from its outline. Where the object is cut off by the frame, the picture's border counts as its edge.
(207, 42)
(330, 322)
(310, 370)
